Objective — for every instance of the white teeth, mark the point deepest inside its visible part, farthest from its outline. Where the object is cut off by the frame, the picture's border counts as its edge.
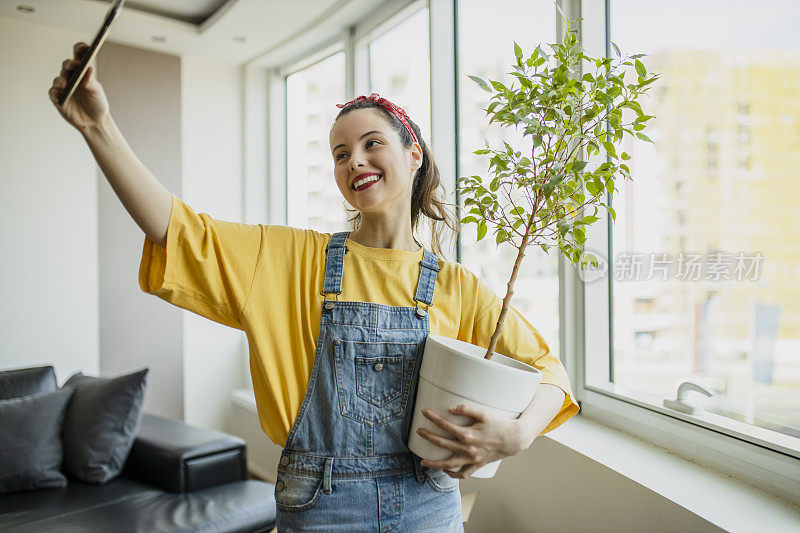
(363, 181)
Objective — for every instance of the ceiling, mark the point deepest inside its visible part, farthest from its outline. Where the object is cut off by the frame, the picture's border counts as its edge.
(233, 31)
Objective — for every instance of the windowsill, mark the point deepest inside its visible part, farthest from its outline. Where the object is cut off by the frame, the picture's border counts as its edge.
(716, 497)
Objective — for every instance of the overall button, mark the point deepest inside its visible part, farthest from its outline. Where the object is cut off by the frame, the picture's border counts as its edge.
(279, 486)
(285, 460)
(336, 342)
(378, 367)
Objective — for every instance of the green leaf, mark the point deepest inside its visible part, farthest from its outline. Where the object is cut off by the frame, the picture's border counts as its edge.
(578, 165)
(625, 156)
(580, 234)
(640, 68)
(644, 137)
(481, 229)
(613, 213)
(519, 210)
(616, 48)
(482, 83)
(517, 50)
(499, 87)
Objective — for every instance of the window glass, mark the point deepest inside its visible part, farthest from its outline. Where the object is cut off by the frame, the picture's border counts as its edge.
(399, 69)
(706, 256)
(486, 36)
(311, 98)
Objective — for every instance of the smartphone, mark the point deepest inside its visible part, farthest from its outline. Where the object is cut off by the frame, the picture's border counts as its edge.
(80, 70)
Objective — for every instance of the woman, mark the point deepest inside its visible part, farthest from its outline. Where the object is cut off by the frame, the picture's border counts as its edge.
(336, 323)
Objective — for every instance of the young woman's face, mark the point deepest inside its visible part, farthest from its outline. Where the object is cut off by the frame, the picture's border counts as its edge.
(363, 142)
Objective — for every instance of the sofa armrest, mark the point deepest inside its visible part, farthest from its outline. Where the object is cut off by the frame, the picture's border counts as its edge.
(177, 457)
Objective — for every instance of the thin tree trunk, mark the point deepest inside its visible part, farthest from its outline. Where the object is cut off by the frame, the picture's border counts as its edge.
(507, 300)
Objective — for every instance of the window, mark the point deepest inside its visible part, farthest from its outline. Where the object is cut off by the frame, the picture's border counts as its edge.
(311, 98)
(728, 313)
(399, 68)
(486, 49)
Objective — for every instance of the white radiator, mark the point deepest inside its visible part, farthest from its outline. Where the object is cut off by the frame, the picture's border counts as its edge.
(263, 455)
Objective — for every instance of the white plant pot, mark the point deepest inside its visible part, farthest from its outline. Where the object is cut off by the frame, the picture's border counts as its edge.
(454, 372)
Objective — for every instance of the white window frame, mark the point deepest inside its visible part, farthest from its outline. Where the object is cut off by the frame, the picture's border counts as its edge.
(762, 458)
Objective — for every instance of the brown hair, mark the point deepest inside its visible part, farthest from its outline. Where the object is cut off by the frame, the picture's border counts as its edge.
(427, 190)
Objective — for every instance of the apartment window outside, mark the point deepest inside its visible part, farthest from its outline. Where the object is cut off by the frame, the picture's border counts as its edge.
(486, 49)
(311, 98)
(727, 313)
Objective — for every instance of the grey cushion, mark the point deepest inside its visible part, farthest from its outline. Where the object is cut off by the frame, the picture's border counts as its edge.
(30, 453)
(25, 381)
(101, 423)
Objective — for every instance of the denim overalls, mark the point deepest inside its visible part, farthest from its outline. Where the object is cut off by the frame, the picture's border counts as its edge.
(346, 465)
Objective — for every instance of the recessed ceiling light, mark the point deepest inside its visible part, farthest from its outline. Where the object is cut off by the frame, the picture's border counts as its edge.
(25, 9)
(158, 39)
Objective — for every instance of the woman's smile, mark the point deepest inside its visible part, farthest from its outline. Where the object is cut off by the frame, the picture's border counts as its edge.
(370, 181)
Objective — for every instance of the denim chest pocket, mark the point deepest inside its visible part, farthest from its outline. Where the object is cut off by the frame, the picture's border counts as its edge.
(373, 379)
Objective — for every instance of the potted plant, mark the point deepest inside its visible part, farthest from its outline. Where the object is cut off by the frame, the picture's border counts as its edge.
(544, 200)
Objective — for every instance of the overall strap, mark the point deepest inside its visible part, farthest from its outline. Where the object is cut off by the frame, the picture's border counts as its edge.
(334, 264)
(428, 268)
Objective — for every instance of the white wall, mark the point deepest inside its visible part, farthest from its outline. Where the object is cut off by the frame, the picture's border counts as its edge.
(49, 223)
(138, 330)
(48, 212)
(552, 488)
(212, 183)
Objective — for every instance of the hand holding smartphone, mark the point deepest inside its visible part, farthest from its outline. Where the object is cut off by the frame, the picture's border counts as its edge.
(80, 70)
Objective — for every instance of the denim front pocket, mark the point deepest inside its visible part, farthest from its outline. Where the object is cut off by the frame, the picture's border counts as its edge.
(373, 379)
(440, 480)
(298, 492)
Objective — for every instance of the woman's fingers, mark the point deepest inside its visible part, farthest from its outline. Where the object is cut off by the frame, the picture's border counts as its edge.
(78, 49)
(467, 410)
(442, 442)
(453, 429)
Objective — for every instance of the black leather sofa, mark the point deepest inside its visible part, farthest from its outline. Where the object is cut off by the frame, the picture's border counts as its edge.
(177, 478)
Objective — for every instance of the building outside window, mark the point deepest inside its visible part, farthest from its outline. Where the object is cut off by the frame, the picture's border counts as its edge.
(716, 195)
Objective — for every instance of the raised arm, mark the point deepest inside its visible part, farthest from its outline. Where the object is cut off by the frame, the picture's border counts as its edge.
(147, 201)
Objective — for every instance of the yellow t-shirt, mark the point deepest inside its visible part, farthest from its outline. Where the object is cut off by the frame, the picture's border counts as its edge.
(266, 280)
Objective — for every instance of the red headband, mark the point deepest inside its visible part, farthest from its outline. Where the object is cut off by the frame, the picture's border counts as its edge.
(390, 107)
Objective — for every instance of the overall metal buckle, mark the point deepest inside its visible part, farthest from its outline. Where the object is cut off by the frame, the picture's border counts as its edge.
(328, 304)
(421, 311)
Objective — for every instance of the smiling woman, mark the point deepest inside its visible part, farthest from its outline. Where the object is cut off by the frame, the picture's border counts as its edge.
(371, 137)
